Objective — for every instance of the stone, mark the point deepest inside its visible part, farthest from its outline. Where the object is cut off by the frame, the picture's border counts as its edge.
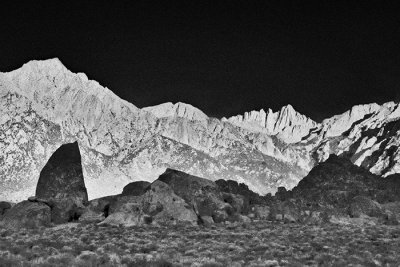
(365, 206)
(4, 207)
(207, 220)
(98, 209)
(61, 183)
(239, 203)
(261, 212)
(219, 216)
(233, 187)
(202, 194)
(242, 218)
(286, 211)
(27, 214)
(158, 205)
(135, 188)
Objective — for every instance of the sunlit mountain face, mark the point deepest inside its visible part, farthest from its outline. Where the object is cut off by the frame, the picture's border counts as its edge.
(44, 105)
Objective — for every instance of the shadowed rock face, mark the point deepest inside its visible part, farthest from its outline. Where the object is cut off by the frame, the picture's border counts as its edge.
(4, 207)
(337, 181)
(61, 184)
(62, 176)
(233, 187)
(338, 188)
(135, 188)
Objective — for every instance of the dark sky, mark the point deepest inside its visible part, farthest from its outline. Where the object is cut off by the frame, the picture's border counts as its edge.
(225, 57)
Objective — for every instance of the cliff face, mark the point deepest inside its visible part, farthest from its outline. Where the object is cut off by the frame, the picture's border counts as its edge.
(44, 105)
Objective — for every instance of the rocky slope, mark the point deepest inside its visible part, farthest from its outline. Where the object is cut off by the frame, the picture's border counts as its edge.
(44, 105)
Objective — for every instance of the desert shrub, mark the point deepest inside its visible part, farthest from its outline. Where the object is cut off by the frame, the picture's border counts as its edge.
(156, 263)
(149, 248)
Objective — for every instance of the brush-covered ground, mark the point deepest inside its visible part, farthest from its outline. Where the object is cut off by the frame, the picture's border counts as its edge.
(255, 244)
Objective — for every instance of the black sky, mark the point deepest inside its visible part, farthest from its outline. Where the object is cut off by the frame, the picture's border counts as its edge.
(225, 57)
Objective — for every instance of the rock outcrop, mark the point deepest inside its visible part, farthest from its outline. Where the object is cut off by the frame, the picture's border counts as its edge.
(337, 188)
(61, 184)
(337, 181)
(158, 205)
(233, 187)
(98, 209)
(176, 197)
(27, 214)
(204, 196)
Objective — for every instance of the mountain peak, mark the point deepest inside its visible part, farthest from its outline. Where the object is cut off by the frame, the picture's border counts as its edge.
(40, 65)
(179, 109)
(288, 124)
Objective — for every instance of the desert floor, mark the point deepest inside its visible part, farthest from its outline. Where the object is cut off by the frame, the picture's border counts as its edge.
(254, 244)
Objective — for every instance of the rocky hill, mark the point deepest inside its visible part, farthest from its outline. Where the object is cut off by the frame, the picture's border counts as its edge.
(44, 105)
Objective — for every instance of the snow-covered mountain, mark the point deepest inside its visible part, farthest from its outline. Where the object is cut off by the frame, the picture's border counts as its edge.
(44, 105)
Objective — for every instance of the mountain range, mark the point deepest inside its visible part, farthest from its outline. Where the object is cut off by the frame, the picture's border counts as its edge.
(44, 105)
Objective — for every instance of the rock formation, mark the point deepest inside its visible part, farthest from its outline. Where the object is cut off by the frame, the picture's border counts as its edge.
(204, 196)
(338, 188)
(61, 184)
(176, 197)
(27, 214)
(158, 205)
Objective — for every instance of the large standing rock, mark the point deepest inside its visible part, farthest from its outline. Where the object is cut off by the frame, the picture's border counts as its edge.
(135, 188)
(61, 183)
(27, 214)
(159, 204)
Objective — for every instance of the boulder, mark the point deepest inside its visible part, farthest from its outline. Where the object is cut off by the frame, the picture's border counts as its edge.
(261, 212)
(286, 211)
(27, 214)
(207, 220)
(239, 203)
(282, 194)
(4, 207)
(164, 205)
(201, 194)
(135, 188)
(98, 209)
(158, 205)
(365, 206)
(61, 184)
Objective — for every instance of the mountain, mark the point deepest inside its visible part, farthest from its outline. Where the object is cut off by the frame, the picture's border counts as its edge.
(44, 105)
(287, 124)
(368, 135)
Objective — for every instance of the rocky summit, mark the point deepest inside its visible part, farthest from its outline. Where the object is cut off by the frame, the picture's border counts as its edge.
(44, 105)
